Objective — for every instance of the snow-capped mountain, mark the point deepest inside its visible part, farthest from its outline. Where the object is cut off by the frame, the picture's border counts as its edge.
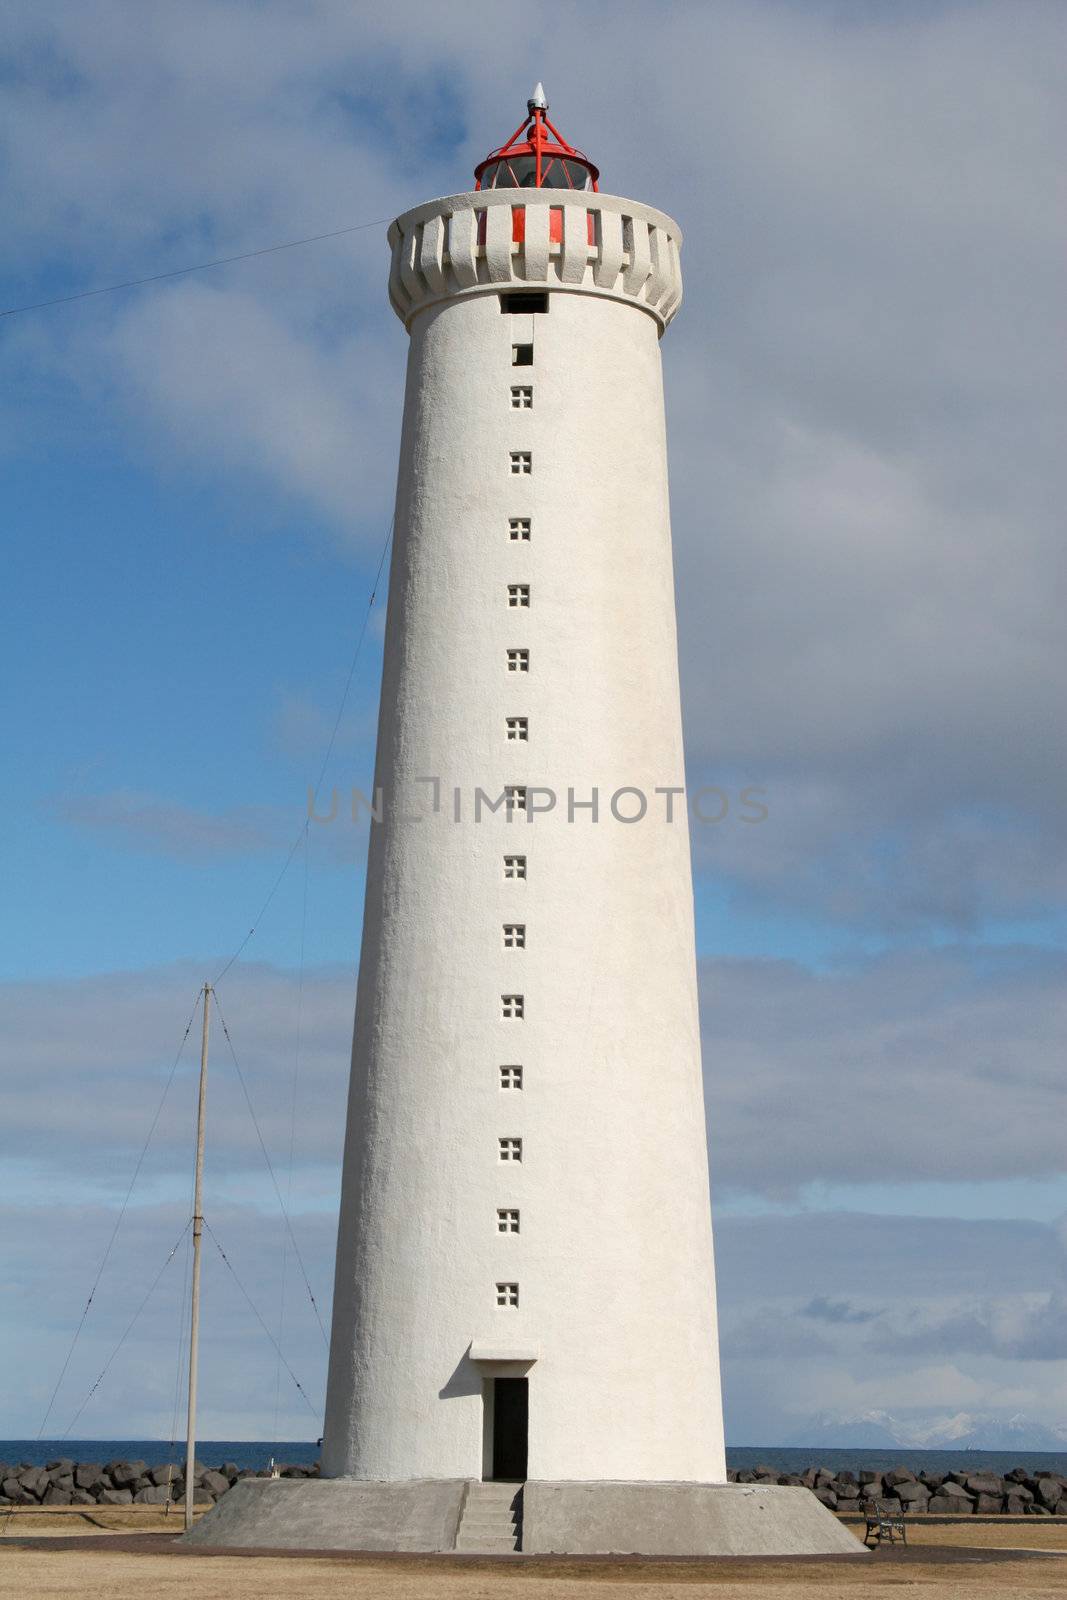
(964, 1430)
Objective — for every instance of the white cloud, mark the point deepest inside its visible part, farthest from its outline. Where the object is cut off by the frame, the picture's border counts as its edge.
(940, 1314)
(942, 1064)
(866, 400)
(224, 378)
(145, 822)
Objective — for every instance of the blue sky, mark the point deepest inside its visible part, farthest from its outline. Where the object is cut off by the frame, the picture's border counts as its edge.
(865, 413)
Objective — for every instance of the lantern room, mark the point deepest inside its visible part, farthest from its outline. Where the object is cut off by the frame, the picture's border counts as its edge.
(537, 156)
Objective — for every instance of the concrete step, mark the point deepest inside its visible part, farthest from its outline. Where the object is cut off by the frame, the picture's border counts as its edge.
(492, 1519)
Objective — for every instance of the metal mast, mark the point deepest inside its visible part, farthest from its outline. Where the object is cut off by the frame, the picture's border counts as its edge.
(198, 1228)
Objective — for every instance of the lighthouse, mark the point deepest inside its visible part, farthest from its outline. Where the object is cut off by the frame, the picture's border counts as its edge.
(524, 1277)
(524, 1348)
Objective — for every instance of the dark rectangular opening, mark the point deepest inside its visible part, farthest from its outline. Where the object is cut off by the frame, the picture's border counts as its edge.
(511, 1419)
(522, 355)
(525, 300)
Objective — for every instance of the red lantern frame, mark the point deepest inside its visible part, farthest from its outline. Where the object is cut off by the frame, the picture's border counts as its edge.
(545, 144)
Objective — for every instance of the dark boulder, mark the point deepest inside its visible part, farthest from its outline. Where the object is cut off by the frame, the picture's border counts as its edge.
(154, 1495)
(168, 1474)
(215, 1483)
(985, 1483)
(949, 1505)
(827, 1497)
(114, 1497)
(845, 1490)
(55, 1496)
(898, 1475)
(913, 1494)
(90, 1475)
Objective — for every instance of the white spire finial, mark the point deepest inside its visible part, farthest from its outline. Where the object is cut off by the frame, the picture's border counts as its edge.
(537, 100)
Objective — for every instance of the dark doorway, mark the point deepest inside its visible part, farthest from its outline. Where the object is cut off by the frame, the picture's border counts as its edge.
(511, 1413)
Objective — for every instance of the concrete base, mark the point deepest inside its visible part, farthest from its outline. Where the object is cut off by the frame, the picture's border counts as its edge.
(334, 1514)
(654, 1519)
(680, 1519)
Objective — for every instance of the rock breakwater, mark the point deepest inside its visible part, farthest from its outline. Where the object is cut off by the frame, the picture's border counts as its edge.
(122, 1483)
(64, 1482)
(962, 1493)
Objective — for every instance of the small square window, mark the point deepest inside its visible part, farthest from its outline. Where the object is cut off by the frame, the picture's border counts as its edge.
(510, 1149)
(518, 727)
(513, 1006)
(518, 660)
(507, 1294)
(519, 530)
(514, 866)
(507, 1221)
(514, 936)
(518, 596)
(521, 397)
(520, 300)
(511, 1077)
(522, 355)
(521, 463)
(514, 798)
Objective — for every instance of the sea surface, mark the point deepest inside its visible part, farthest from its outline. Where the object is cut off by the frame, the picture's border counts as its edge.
(794, 1461)
(303, 1452)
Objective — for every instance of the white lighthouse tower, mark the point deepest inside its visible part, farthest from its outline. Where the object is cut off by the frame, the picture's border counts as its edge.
(524, 1326)
(524, 1273)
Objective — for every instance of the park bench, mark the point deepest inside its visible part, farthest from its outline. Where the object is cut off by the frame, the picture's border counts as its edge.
(884, 1522)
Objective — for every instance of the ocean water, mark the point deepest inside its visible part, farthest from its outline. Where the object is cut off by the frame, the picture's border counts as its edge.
(794, 1461)
(304, 1452)
(157, 1452)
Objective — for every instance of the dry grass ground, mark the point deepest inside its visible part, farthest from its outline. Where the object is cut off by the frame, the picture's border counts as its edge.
(67, 1552)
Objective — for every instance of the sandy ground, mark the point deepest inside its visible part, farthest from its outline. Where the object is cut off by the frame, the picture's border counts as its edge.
(108, 1574)
(40, 1559)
